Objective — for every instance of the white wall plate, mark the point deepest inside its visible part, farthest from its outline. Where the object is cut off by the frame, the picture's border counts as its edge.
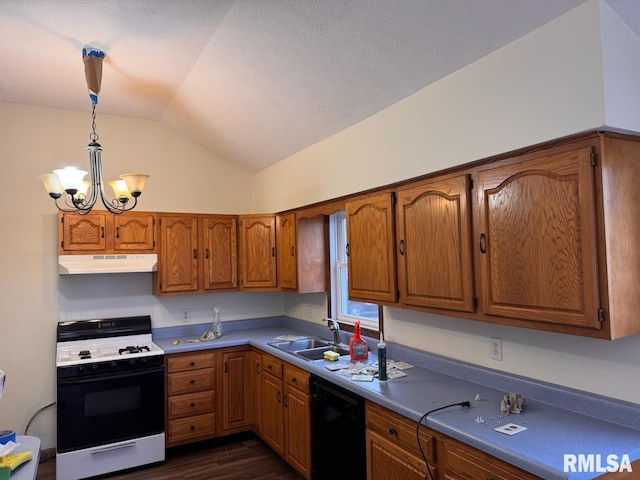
(510, 429)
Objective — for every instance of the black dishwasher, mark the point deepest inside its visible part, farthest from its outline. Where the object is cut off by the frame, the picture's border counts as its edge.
(338, 447)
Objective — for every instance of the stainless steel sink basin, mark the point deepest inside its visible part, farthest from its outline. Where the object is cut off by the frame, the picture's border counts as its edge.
(309, 348)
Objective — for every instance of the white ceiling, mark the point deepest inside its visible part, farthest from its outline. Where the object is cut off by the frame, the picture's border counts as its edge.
(254, 80)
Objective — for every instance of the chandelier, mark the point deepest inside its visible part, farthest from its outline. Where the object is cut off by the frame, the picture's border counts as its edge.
(67, 186)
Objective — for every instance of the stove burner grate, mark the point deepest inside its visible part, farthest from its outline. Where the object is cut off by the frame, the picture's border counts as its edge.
(132, 349)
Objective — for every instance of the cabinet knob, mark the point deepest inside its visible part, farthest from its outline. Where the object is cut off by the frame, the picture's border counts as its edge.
(192, 382)
(193, 404)
(294, 380)
(193, 364)
(193, 428)
(393, 431)
(269, 367)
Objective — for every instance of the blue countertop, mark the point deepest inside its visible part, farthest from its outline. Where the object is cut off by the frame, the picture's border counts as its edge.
(597, 425)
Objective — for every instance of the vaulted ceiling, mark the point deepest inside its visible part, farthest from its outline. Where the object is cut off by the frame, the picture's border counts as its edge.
(254, 80)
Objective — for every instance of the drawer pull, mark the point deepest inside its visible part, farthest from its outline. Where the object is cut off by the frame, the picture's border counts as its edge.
(294, 380)
(269, 367)
(193, 364)
(193, 404)
(193, 428)
(393, 431)
(192, 381)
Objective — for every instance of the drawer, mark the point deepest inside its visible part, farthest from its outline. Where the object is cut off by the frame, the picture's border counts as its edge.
(272, 365)
(186, 429)
(400, 430)
(188, 382)
(189, 361)
(466, 463)
(296, 378)
(189, 405)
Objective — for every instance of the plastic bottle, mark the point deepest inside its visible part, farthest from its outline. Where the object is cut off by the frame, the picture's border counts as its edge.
(358, 348)
(382, 359)
(217, 323)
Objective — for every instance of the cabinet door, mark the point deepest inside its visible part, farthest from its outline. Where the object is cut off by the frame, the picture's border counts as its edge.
(272, 412)
(81, 233)
(387, 461)
(434, 245)
(370, 248)
(235, 399)
(220, 260)
(178, 265)
(256, 391)
(286, 233)
(134, 232)
(297, 420)
(537, 240)
(258, 251)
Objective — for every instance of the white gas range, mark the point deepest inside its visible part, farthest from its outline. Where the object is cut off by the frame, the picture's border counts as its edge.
(110, 385)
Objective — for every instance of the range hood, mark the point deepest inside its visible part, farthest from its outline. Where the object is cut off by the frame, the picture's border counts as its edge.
(87, 264)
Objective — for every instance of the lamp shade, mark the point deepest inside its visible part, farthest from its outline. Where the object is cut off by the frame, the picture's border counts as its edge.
(52, 184)
(135, 182)
(71, 178)
(120, 188)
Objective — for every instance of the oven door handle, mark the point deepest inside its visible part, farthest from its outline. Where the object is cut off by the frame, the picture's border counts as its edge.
(109, 376)
(113, 447)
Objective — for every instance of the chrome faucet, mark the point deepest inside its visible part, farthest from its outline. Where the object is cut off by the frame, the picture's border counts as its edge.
(334, 326)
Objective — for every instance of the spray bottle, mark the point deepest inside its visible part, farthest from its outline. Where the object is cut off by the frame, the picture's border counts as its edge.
(217, 323)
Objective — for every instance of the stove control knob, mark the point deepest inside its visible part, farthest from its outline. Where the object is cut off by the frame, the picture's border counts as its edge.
(94, 366)
(144, 361)
(113, 364)
(80, 368)
(133, 361)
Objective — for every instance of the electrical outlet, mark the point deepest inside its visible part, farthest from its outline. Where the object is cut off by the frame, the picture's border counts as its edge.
(185, 314)
(495, 348)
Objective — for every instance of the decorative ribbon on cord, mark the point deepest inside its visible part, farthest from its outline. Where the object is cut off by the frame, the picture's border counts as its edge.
(92, 58)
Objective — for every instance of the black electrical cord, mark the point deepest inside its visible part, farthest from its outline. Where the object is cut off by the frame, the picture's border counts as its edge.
(26, 430)
(461, 404)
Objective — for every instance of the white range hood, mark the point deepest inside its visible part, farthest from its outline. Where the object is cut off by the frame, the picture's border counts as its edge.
(88, 264)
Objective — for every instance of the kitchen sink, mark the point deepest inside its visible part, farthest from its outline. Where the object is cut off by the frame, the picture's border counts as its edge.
(309, 348)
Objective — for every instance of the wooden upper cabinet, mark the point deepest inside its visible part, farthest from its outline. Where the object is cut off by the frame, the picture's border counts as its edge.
(82, 233)
(101, 232)
(537, 238)
(220, 258)
(371, 248)
(178, 261)
(258, 251)
(288, 268)
(302, 252)
(134, 232)
(434, 244)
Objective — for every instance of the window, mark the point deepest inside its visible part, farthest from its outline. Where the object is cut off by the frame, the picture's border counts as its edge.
(343, 309)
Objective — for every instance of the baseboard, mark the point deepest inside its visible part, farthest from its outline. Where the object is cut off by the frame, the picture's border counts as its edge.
(47, 454)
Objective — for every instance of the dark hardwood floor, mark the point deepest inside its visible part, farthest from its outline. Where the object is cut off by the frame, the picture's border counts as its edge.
(238, 457)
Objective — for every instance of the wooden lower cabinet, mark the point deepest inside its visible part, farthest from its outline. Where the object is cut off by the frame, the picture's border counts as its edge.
(272, 410)
(393, 453)
(297, 419)
(234, 392)
(190, 382)
(255, 383)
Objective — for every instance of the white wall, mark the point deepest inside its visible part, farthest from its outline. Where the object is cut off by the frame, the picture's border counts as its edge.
(543, 86)
(33, 297)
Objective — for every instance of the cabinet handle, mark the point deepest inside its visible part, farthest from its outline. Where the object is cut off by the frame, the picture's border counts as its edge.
(195, 253)
(483, 243)
(401, 247)
(292, 251)
(294, 380)
(269, 367)
(285, 401)
(279, 396)
(117, 232)
(273, 252)
(206, 253)
(348, 249)
(257, 369)
(226, 367)
(101, 232)
(393, 431)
